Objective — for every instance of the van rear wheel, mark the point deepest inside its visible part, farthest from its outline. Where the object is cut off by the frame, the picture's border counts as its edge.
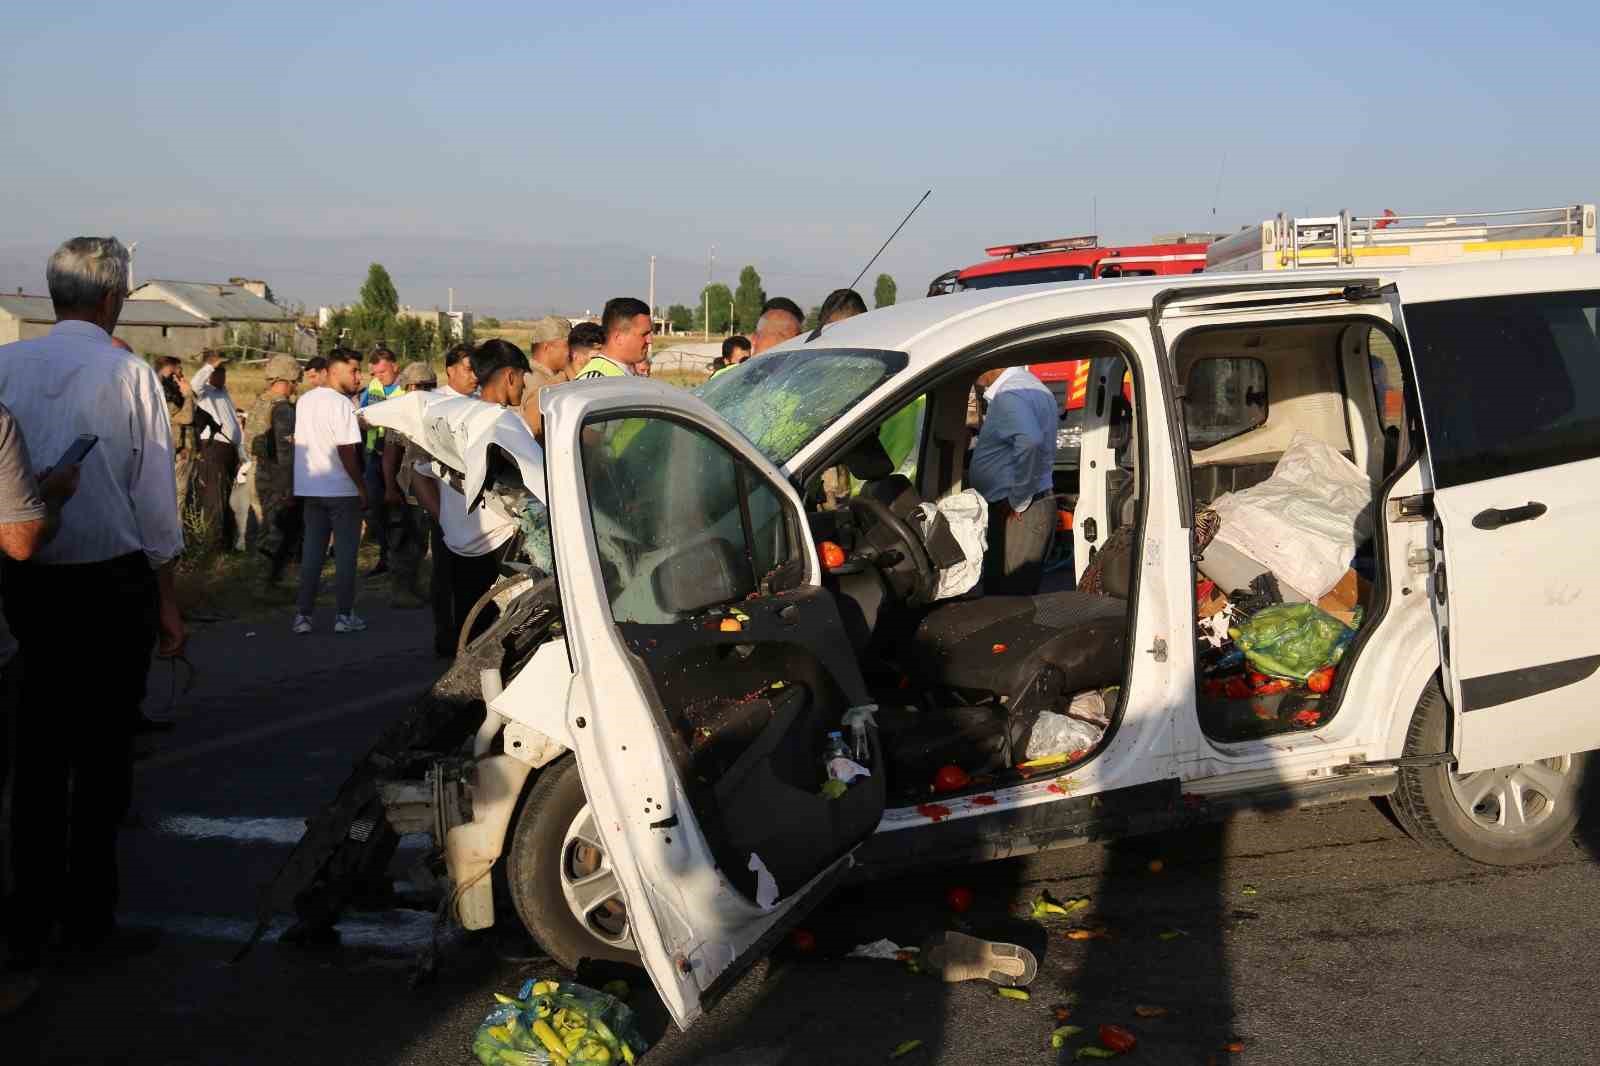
(1502, 817)
(560, 877)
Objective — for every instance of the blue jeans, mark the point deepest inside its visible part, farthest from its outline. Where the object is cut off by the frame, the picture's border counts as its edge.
(339, 517)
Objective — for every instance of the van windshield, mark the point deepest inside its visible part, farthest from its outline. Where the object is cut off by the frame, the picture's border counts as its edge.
(782, 400)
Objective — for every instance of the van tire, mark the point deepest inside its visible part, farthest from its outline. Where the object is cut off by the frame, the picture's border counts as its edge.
(1426, 806)
(533, 863)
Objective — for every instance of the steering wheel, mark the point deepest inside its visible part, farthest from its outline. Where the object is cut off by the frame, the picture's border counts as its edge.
(913, 567)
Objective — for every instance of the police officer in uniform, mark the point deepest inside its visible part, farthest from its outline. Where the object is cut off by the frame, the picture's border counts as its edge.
(627, 344)
(269, 430)
(408, 523)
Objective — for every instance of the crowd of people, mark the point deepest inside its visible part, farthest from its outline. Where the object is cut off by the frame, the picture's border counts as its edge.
(88, 548)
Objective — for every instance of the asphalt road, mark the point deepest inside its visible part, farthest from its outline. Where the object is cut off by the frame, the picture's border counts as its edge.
(1313, 937)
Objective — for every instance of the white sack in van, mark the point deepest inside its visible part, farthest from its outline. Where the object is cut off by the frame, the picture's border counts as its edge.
(1303, 523)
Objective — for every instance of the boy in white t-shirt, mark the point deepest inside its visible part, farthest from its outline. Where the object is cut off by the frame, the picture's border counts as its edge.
(328, 479)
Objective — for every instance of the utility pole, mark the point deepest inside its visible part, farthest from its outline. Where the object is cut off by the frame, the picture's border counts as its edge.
(652, 294)
(134, 247)
(711, 265)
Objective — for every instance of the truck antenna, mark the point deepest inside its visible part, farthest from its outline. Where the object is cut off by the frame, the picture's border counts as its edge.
(818, 331)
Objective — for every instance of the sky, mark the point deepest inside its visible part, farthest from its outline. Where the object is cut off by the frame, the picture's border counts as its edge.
(534, 156)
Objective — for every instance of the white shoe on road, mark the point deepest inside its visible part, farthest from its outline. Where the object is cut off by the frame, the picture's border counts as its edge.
(349, 623)
(302, 624)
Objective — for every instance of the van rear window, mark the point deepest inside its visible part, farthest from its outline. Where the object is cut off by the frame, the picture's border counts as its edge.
(1508, 383)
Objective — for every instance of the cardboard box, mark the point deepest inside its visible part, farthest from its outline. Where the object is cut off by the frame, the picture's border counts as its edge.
(1352, 591)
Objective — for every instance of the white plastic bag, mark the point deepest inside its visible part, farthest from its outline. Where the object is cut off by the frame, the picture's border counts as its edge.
(967, 515)
(1056, 734)
(1303, 523)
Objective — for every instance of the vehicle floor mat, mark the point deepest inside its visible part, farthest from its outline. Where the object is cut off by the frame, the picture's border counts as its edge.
(959, 957)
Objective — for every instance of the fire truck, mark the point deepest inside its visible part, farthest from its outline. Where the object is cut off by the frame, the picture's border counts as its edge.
(1389, 240)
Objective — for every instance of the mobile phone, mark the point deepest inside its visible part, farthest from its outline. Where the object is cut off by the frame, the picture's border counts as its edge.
(77, 451)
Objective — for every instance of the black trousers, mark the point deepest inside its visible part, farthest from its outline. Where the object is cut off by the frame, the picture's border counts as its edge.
(1013, 565)
(442, 593)
(214, 474)
(470, 577)
(377, 509)
(87, 631)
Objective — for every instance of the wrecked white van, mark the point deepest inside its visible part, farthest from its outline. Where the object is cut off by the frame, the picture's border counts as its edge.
(648, 772)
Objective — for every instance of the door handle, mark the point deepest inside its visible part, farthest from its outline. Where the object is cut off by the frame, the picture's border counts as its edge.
(1495, 517)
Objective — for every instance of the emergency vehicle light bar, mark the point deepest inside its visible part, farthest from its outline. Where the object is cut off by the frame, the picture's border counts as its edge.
(1060, 244)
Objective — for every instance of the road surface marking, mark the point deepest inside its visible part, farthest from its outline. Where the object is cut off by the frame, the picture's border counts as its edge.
(404, 693)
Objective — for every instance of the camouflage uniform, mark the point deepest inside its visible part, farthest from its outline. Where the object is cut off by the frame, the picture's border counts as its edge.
(185, 439)
(269, 439)
(408, 522)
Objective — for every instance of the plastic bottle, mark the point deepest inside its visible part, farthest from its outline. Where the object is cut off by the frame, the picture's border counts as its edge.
(860, 750)
(834, 749)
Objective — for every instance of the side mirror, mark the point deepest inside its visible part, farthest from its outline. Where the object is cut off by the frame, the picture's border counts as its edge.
(708, 574)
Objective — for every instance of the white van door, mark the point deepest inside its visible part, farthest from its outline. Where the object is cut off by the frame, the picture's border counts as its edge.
(710, 668)
(1510, 392)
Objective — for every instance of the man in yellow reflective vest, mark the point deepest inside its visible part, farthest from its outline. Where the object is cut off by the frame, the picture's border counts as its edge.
(735, 350)
(384, 384)
(626, 322)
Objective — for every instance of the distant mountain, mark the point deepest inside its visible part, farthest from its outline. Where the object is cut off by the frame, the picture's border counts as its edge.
(502, 278)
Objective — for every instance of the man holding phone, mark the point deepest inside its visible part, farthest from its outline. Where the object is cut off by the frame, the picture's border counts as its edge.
(103, 588)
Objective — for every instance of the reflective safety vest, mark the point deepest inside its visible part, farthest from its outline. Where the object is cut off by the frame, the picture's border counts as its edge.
(601, 367)
(721, 370)
(376, 393)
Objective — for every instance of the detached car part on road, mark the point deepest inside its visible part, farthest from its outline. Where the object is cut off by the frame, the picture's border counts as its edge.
(647, 770)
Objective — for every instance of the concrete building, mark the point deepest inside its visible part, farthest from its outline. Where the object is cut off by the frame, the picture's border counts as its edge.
(454, 325)
(242, 307)
(152, 327)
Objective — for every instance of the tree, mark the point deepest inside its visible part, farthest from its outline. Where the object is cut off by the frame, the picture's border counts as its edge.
(883, 292)
(721, 303)
(747, 300)
(378, 294)
(813, 318)
(681, 318)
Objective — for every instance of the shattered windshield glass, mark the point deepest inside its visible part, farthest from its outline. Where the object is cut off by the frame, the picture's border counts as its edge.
(781, 400)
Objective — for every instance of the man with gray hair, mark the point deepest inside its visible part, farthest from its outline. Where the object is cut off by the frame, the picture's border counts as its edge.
(549, 363)
(100, 593)
(781, 319)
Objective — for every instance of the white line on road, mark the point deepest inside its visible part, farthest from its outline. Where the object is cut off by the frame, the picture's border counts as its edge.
(243, 829)
(403, 693)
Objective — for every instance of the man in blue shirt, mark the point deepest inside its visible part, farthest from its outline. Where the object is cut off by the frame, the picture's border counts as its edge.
(1011, 468)
(384, 384)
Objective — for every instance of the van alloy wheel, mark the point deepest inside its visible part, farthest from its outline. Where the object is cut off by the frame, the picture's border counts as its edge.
(1501, 817)
(1514, 799)
(590, 884)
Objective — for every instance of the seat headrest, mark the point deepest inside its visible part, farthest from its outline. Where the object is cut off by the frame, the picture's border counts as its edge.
(869, 461)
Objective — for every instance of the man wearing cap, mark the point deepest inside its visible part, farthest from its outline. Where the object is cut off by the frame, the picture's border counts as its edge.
(269, 432)
(408, 523)
(549, 365)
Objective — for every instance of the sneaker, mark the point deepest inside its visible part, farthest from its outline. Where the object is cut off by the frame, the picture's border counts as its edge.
(959, 957)
(349, 623)
(302, 624)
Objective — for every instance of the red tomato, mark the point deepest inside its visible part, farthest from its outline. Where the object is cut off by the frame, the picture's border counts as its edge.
(1320, 680)
(832, 555)
(959, 899)
(803, 941)
(1116, 1038)
(950, 778)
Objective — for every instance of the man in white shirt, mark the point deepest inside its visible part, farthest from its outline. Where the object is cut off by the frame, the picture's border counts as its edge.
(474, 541)
(1012, 464)
(221, 447)
(88, 607)
(329, 480)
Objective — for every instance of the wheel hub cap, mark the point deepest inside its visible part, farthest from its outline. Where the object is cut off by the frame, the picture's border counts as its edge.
(589, 883)
(1513, 800)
